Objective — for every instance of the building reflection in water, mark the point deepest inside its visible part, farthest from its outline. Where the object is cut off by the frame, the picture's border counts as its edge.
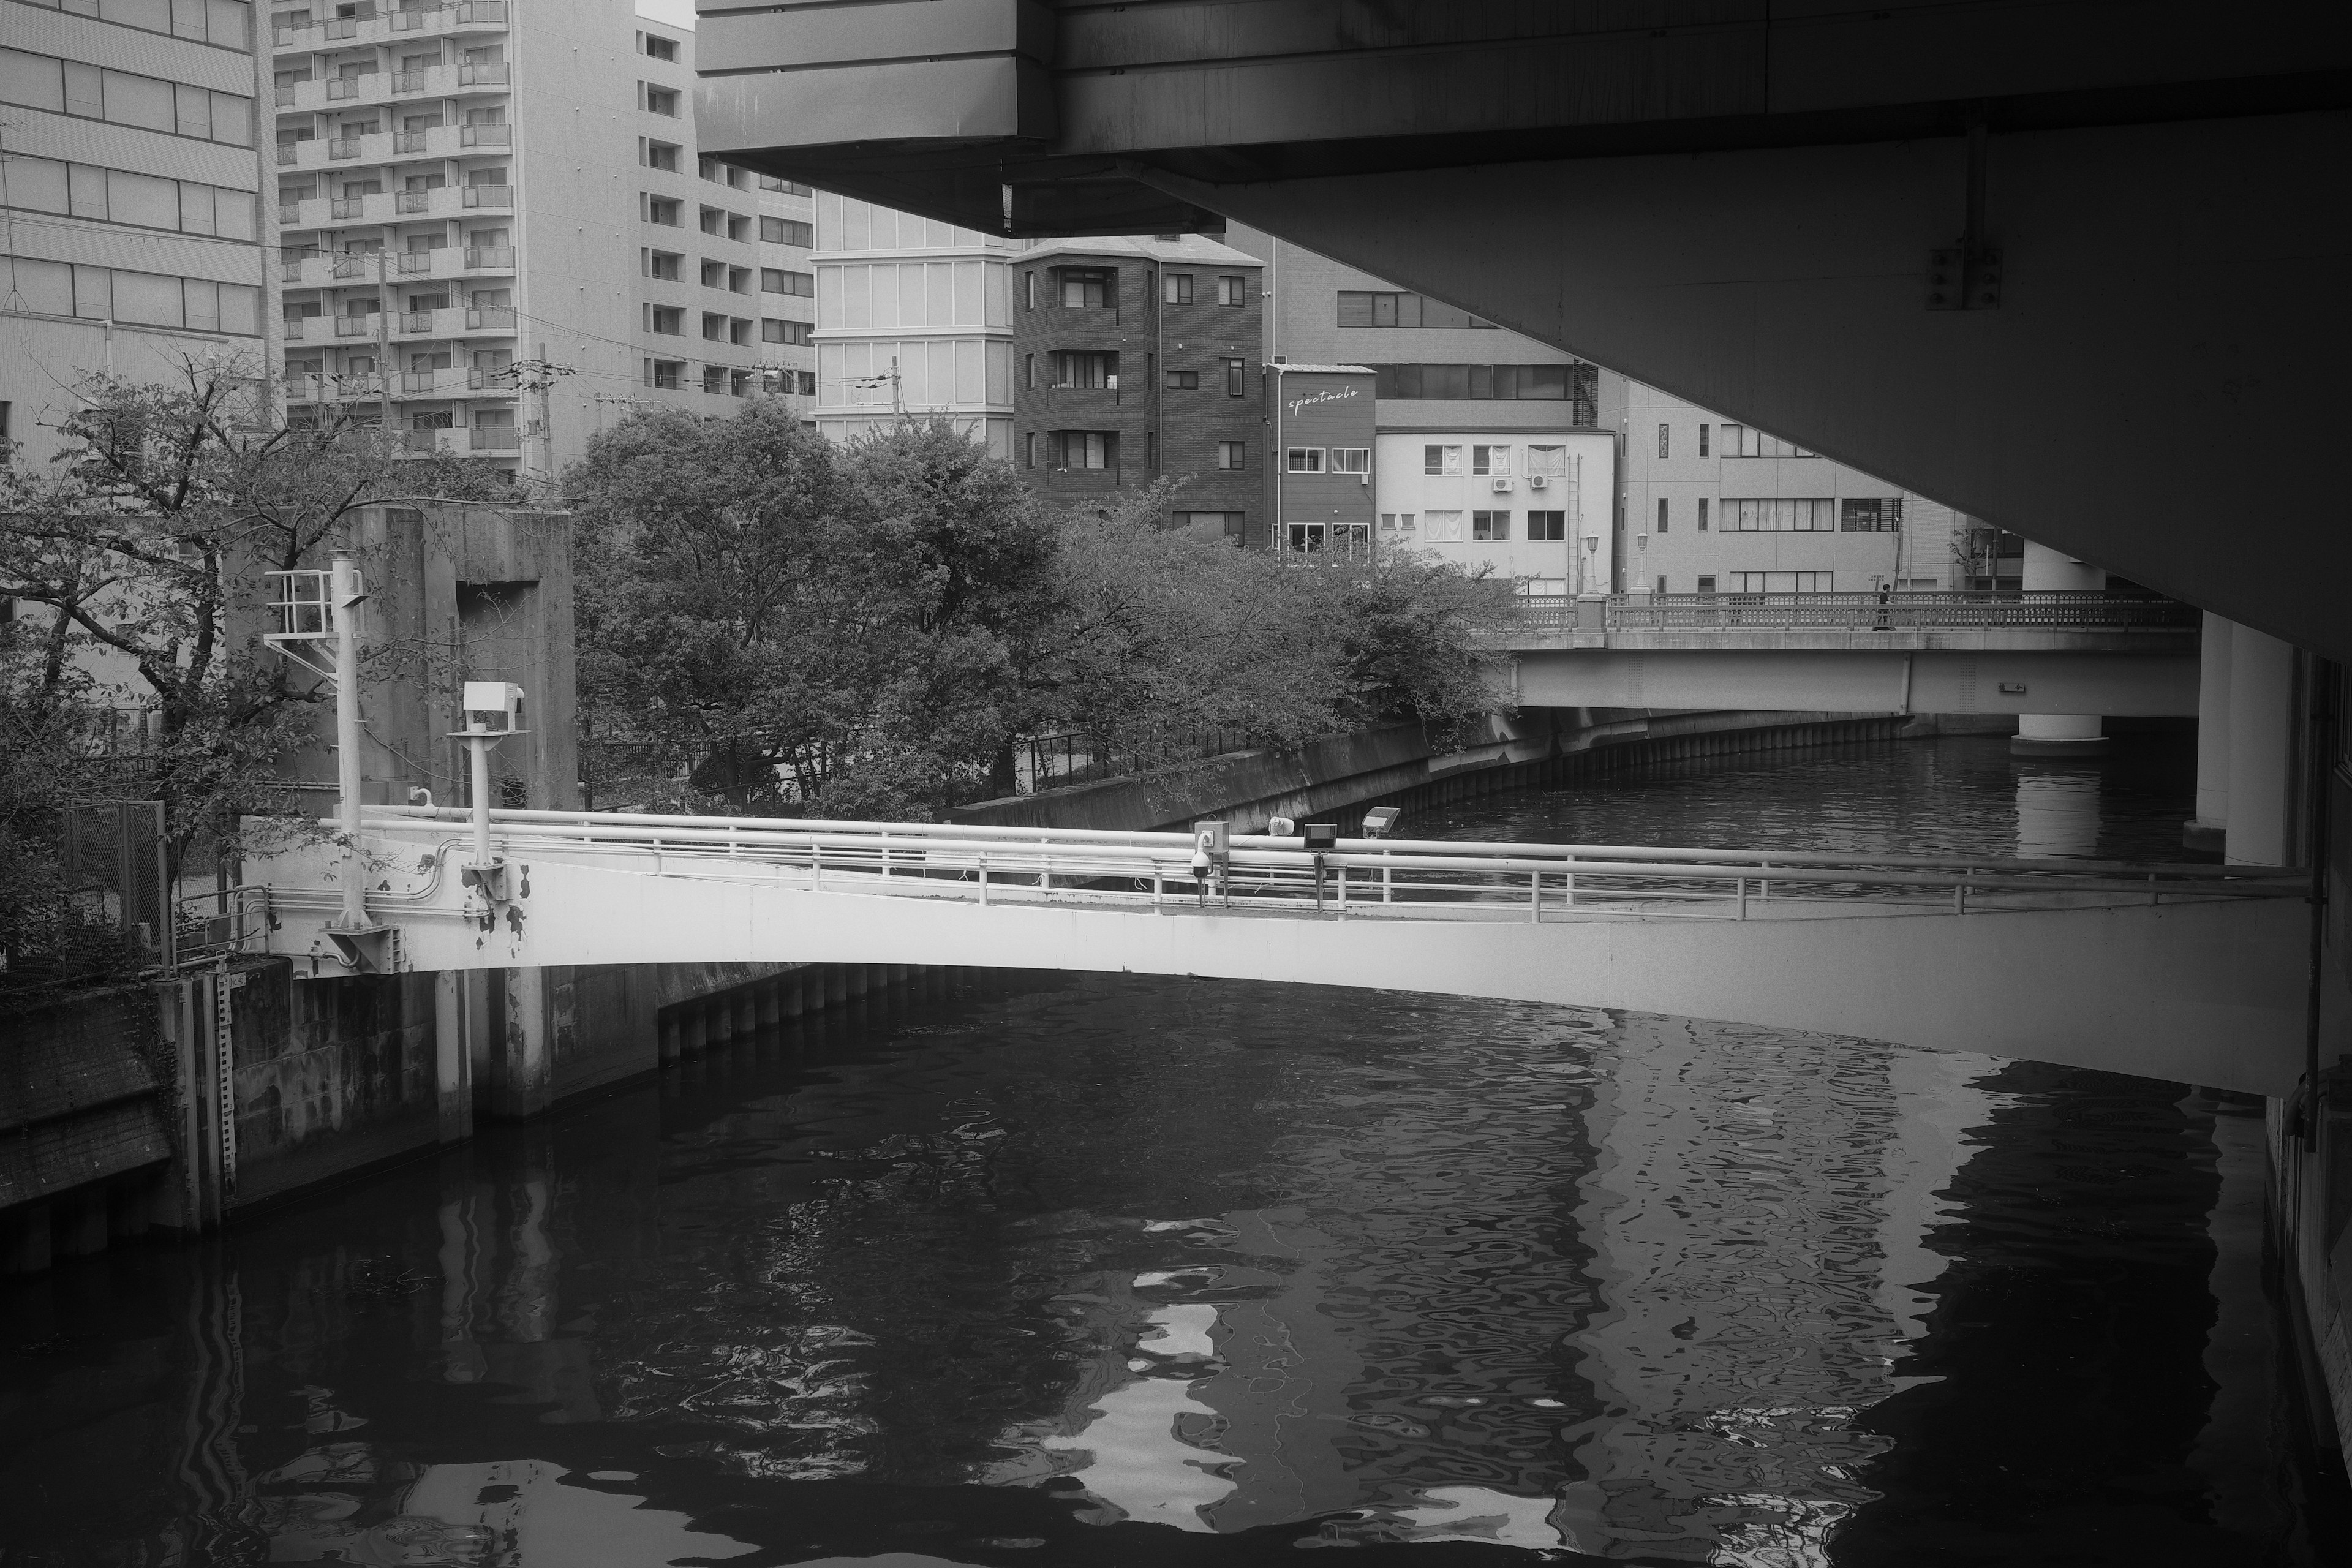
(2057, 810)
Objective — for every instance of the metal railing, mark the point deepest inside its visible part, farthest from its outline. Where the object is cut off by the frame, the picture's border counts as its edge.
(486, 135)
(348, 147)
(494, 257)
(484, 73)
(1414, 878)
(491, 318)
(489, 195)
(1889, 611)
(497, 438)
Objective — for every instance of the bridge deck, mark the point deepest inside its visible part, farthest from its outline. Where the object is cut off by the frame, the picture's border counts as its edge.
(2170, 971)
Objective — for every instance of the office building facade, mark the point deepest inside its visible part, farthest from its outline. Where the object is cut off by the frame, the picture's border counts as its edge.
(133, 236)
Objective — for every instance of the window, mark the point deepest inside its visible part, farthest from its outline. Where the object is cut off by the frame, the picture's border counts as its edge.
(770, 182)
(739, 227)
(661, 101)
(1547, 525)
(1782, 582)
(714, 378)
(1662, 584)
(1236, 386)
(1304, 460)
(773, 330)
(1028, 372)
(1494, 525)
(1231, 524)
(661, 155)
(1352, 460)
(1745, 441)
(1702, 501)
(1441, 460)
(1176, 287)
(1028, 290)
(1779, 515)
(1495, 461)
(1703, 430)
(1083, 448)
(1084, 287)
(666, 264)
(1029, 450)
(713, 220)
(1151, 448)
(1548, 462)
(661, 48)
(668, 373)
(1232, 291)
(1666, 443)
(714, 274)
(1098, 371)
(662, 212)
(776, 280)
(1665, 516)
(1183, 380)
(1442, 527)
(1577, 384)
(1233, 454)
(665, 320)
(787, 231)
(714, 328)
(1359, 308)
(1397, 523)
(1706, 584)
(1872, 514)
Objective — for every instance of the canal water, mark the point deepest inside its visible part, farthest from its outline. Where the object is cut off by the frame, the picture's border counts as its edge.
(1127, 1271)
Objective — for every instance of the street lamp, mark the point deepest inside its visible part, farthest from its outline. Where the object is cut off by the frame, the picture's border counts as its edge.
(493, 710)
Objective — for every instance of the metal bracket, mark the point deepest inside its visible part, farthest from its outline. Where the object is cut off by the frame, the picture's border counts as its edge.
(1959, 279)
(370, 950)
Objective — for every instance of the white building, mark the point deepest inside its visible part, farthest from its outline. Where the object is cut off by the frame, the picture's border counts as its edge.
(1531, 505)
(787, 291)
(477, 197)
(913, 316)
(129, 184)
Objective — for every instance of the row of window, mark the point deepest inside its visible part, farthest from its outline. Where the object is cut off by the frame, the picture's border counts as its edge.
(1444, 527)
(1778, 583)
(118, 195)
(1579, 385)
(1091, 370)
(1793, 514)
(1099, 449)
(1449, 459)
(1737, 441)
(93, 92)
(670, 267)
(668, 322)
(142, 299)
(717, 221)
(1343, 460)
(1360, 308)
(228, 23)
(1096, 287)
(788, 231)
(735, 381)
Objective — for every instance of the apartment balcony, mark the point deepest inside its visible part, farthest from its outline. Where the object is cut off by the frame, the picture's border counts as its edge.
(491, 258)
(486, 135)
(497, 438)
(445, 380)
(347, 209)
(432, 443)
(1062, 403)
(405, 24)
(495, 319)
(489, 381)
(1082, 319)
(455, 322)
(489, 196)
(360, 326)
(365, 266)
(486, 73)
(298, 329)
(319, 153)
(356, 88)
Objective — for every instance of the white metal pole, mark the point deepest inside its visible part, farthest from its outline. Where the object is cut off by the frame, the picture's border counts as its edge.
(479, 748)
(343, 584)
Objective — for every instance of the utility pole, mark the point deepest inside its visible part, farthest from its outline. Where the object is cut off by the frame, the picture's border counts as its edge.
(535, 376)
(383, 341)
(343, 591)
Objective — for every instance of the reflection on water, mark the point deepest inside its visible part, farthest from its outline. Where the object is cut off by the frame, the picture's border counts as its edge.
(1117, 1270)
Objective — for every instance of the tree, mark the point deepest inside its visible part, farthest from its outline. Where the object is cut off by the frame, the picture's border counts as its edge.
(139, 550)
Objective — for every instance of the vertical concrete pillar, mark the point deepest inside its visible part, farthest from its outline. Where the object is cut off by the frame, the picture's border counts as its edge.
(78, 1223)
(2206, 829)
(24, 1239)
(2059, 734)
(837, 983)
(453, 1084)
(718, 1025)
(2262, 748)
(747, 1010)
(526, 1082)
(772, 1001)
(670, 1035)
(691, 1029)
(794, 986)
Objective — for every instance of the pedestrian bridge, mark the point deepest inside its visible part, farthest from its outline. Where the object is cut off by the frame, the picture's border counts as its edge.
(2176, 972)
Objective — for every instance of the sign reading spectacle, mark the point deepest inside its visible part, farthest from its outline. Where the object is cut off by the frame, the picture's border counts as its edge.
(1332, 395)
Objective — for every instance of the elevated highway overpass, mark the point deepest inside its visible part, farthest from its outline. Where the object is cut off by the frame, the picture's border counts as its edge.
(2073, 268)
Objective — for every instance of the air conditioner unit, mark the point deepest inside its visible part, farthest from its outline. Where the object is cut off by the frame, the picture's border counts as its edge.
(1502, 484)
(1535, 482)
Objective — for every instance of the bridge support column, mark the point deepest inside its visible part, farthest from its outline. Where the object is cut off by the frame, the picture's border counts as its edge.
(2208, 828)
(2059, 734)
(772, 1001)
(453, 1078)
(2262, 750)
(792, 991)
(522, 1085)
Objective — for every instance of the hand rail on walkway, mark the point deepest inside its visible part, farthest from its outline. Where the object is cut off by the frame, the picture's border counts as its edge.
(1429, 879)
(1916, 610)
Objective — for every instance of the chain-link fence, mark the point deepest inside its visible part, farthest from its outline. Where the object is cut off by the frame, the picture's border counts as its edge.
(116, 857)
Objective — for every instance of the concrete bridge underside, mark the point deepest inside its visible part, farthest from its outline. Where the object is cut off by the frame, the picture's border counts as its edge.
(1927, 680)
(2073, 268)
(2198, 990)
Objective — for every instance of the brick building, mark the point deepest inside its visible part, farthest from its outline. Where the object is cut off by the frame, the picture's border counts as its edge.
(1139, 358)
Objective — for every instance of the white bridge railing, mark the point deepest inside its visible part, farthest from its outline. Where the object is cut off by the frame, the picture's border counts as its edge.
(1414, 878)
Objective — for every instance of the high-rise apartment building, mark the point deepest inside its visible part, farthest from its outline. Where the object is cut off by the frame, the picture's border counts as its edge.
(1137, 360)
(914, 317)
(494, 225)
(787, 291)
(130, 235)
